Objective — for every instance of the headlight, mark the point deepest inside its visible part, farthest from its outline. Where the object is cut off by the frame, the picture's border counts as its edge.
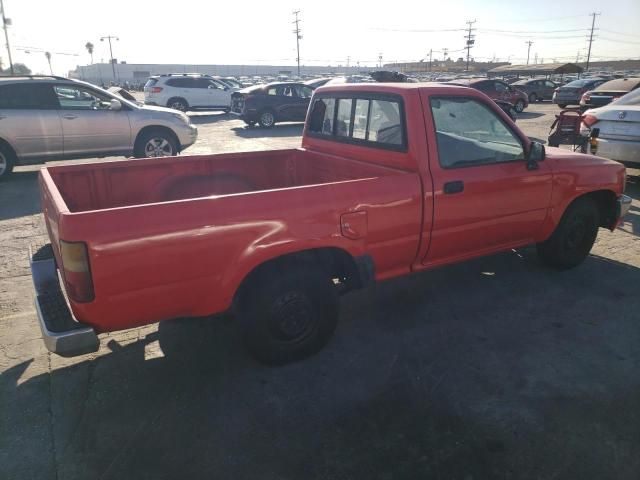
(182, 116)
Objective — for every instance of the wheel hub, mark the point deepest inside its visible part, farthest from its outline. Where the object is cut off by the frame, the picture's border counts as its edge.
(292, 317)
(158, 147)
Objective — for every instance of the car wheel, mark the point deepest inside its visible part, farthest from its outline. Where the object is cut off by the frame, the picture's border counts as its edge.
(156, 143)
(533, 98)
(574, 236)
(7, 161)
(519, 106)
(178, 104)
(562, 105)
(267, 119)
(288, 313)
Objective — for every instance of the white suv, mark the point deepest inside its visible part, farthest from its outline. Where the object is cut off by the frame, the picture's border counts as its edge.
(187, 91)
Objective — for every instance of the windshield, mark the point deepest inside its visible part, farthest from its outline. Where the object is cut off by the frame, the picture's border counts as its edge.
(631, 98)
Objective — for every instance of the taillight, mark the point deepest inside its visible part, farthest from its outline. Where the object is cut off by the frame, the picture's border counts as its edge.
(156, 89)
(589, 120)
(76, 271)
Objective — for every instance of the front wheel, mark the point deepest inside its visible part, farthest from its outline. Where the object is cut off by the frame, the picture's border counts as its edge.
(156, 143)
(574, 236)
(519, 106)
(7, 160)
(288, 314)
(267, 119)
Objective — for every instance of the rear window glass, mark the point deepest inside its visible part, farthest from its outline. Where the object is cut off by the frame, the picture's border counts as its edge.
(578, 83)
(151, 82)
(363, 120)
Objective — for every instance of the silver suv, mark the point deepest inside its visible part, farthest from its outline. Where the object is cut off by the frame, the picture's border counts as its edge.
(53, 118)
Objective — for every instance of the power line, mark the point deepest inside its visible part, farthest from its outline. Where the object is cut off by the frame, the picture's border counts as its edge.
(593, 24)
(298, 37)
(533, 31)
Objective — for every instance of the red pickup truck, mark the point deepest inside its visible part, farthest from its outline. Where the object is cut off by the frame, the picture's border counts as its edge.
(390, 179)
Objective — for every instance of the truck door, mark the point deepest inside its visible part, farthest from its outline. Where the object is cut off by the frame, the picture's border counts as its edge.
(485, 199)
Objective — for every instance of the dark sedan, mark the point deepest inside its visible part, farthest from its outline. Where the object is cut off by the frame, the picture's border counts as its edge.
(496, 90)
(571, 93)
(608, 92)
(271, 103)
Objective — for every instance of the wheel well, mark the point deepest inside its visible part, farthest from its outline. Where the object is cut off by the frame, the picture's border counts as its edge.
(347, 272)
(605, 200)
(7, 145)
(167, 130)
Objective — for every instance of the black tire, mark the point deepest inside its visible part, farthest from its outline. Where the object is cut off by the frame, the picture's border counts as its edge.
(533, 98)
(574, 236)
(562, 105)
(267, 119)
(7, 162)
(155, 143)
(519, 106)
(288, 313)
(178, 103)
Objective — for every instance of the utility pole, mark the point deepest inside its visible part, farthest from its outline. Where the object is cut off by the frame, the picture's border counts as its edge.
(535, 61)
(593, 24)
(113, 66)
(348, 60)
(5, 22)
(380, 60)
(430, 57)
(298, 37)
(528, 50)
(470, 40)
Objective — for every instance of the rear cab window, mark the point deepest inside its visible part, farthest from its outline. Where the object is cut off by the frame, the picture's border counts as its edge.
(372, 120)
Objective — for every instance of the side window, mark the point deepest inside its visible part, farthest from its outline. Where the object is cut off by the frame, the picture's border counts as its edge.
(76, 98)
(501, 87)
(469, 133)
(289, 91)
(384, 123)
(484, 86)
(343, 120)
(549, 84)
(27, 97)
(361, 119)
(321, 118)
(304, 91)
(275, 91)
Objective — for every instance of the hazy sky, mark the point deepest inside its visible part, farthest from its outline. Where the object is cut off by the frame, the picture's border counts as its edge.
(247, 31)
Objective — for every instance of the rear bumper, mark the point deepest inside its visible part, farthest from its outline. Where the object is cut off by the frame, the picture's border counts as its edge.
(620, 150)
(61, 333)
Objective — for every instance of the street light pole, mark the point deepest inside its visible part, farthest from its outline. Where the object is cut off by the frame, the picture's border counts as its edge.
(5, 22)
(113, 66)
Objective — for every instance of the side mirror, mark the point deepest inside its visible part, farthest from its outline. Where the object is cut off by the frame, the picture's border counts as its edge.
(536, 154)
(115, 105)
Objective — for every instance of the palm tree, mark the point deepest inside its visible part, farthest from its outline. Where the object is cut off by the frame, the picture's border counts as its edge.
(89, 47)
(48, 55)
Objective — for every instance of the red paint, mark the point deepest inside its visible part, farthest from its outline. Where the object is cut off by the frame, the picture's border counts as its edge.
(175, 237)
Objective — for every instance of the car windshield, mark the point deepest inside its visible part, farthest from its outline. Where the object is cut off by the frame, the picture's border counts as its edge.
(631, 98)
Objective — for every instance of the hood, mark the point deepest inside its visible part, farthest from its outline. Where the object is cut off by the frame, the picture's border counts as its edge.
(566, 158)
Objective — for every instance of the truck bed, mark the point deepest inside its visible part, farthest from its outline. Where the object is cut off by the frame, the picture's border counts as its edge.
(127, 183)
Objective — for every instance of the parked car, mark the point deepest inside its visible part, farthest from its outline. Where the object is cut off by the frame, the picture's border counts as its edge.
(230, 82)
(497, 90)
(54, 118)
(317, 82)
(187, 91)
(277, 236)
(537, 89)
(272, 103)
(571, 93)
(508, 109)
(608, 91)
(618, 129)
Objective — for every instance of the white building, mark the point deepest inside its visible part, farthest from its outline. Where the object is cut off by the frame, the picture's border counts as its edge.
(99, 73)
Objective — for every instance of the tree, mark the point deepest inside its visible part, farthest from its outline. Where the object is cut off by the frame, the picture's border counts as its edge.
(18, 69)
(89, 47)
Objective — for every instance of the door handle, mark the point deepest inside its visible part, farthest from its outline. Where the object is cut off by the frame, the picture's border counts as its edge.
(70, 116)
(456, 186)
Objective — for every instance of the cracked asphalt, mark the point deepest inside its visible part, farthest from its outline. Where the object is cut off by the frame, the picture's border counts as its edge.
(494, 368)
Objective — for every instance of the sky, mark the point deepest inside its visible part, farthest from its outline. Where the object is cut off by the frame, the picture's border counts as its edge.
(334, 31)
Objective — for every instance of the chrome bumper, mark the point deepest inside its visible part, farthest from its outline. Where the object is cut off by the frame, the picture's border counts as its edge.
(61, 333)
(623, 206)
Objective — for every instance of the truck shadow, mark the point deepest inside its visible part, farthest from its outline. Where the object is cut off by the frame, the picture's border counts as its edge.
(496, 368)
(19, 195)
(204, 118)
(278, 130)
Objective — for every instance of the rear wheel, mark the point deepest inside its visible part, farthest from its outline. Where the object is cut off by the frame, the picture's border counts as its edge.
(574, 236)
(267, 119)
(7, 161)
(156, 143)
(519, 106)
(178, 104)
(288, 313)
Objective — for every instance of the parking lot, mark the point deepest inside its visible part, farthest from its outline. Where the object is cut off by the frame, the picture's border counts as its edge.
(495, 368)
